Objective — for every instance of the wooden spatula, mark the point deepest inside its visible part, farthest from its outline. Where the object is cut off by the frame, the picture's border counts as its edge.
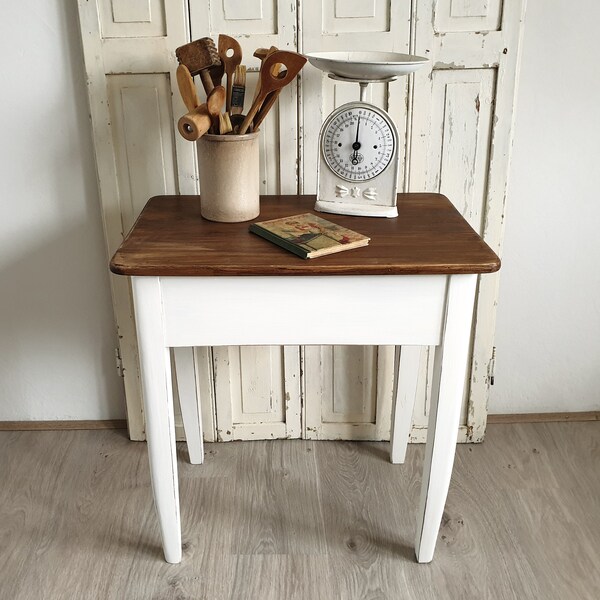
(187, 88)
(227, 44)
(292, 61)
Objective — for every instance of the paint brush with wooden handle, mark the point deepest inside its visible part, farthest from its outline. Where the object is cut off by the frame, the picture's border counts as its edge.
(238, 90)
(199, 56)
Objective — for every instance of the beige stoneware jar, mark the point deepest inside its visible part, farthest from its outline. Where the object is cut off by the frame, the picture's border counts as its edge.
(229, 177)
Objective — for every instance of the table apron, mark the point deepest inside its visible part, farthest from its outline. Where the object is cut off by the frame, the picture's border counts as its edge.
(284, 310)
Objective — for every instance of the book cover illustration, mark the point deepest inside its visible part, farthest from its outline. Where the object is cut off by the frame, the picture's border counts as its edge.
(309, 236)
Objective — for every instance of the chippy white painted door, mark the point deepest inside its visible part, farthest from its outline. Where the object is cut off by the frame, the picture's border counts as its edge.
(129, 52)
(456, 118)
(348, 390)
(456, 114)
(257, 388)
(461, 135)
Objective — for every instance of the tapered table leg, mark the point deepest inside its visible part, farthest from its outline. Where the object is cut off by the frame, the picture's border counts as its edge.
(155, 363)
(189, 402)
(447, 393)
(406, 372)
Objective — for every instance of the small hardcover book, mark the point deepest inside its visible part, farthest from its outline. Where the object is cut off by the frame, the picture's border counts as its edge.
(309, 236)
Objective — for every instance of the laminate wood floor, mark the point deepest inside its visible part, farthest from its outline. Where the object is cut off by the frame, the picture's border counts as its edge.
(305, 520)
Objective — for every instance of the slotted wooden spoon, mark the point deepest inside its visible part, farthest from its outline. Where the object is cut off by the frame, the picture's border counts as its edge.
(227, 44)
(292, 61)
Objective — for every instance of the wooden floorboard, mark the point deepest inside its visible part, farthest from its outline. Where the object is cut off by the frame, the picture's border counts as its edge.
(60, 425)
(279, 520)
(548, 417)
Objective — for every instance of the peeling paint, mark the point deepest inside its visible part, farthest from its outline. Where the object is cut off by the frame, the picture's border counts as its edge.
(470, 432)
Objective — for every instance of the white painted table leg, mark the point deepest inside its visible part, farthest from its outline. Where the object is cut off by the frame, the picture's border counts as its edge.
(155, 363)
(189, 402)
(406, 373)
(448, 385)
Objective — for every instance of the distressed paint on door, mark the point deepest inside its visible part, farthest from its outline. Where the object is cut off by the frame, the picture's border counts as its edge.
(457, 118)
(255, 393)
(339, 380)
(129, 63)
(347, 393)
(462, 117)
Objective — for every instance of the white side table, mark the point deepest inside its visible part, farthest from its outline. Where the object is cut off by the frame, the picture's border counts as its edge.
(198, 283)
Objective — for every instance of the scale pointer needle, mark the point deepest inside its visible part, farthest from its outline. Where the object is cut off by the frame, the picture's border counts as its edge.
(356, 145)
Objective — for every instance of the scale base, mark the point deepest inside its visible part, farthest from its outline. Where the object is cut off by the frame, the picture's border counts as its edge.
(356, 210)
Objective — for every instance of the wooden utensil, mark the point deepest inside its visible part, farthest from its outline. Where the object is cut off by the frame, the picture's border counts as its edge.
(230, 61)
(265, 108)
(261, 54)
(225, 123)
(214, 103)
(199, 56)
(236, 123)
(196, 123)
(292, 61)
(238, 91)
(216, 73)
(187, 88)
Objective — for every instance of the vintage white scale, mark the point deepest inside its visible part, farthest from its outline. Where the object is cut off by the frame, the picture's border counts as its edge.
(358, 143)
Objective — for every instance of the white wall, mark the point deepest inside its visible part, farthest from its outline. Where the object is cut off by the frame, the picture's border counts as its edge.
(548, 331)
(57, 335)
(56, 327)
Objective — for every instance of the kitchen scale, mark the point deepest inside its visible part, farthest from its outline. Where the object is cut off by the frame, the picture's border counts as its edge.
(358, 142)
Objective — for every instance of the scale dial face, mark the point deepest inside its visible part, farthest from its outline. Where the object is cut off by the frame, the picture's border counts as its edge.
(358, 142)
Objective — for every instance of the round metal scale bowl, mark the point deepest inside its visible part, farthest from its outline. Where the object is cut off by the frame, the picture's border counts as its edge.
(366, 66)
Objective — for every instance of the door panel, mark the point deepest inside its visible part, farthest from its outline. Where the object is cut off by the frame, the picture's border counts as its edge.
(127, 19)
(347, 388)
(140, 113)
(250, 383)
(460, 145)
(348, 392)
(467, 15)
(257, 392)
(128, 54)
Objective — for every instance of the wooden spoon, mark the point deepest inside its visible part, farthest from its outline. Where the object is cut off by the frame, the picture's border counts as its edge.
(227, 44)
(292, 61)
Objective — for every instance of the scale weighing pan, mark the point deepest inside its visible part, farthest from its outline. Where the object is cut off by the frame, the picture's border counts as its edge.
(366, 66)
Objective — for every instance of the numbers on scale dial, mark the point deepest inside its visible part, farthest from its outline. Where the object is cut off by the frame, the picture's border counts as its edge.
(358, 144)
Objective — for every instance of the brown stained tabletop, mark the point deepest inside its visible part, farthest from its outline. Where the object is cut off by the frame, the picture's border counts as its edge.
(170, 238)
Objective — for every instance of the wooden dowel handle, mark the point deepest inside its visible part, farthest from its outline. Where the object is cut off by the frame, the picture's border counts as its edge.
(265, 108)
(253, 110)
(195, 124)
(207, 81)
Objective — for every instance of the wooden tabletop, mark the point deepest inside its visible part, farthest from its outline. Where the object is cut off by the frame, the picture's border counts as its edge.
(428, 237)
